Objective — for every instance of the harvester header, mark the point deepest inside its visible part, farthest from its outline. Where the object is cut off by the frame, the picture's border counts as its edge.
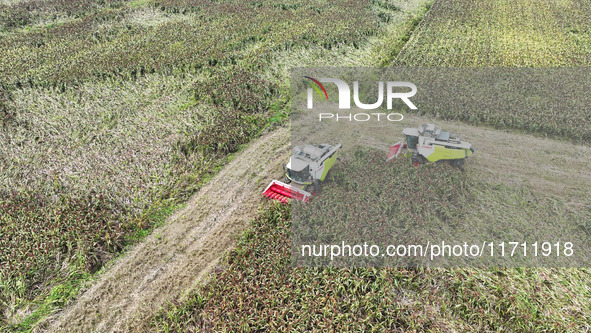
(308, 166)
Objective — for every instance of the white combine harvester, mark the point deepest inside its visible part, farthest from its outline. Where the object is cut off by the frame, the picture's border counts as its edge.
(308, 166)
(428, 143)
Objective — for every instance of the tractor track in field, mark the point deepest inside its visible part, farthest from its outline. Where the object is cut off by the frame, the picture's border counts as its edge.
(172, 259)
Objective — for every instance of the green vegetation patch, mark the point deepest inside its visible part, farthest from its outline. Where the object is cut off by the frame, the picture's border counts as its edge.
(42, 240)
(503, 33)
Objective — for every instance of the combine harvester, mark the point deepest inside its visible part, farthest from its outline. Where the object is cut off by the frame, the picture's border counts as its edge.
(308, 165)
(429, 143)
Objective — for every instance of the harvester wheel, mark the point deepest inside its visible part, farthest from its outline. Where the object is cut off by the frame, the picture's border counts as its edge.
(459, 163)
(417, 160)
(316, 185)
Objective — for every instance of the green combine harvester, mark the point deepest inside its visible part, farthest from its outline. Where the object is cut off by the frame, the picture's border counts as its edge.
(308, 166)
(428, 143)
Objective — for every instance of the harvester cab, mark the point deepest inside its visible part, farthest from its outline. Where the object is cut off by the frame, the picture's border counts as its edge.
(308, 166)
(428, 143)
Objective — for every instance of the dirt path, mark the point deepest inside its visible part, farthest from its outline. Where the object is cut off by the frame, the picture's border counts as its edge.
(175, 256)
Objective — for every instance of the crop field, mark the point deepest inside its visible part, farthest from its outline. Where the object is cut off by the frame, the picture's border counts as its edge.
(112, 113)
(115, 43)
(255, 288)
(503, 33)
(435, 203)
(471, 33)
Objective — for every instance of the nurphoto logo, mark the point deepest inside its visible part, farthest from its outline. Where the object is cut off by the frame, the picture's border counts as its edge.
(345, 93)
(344, 99)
